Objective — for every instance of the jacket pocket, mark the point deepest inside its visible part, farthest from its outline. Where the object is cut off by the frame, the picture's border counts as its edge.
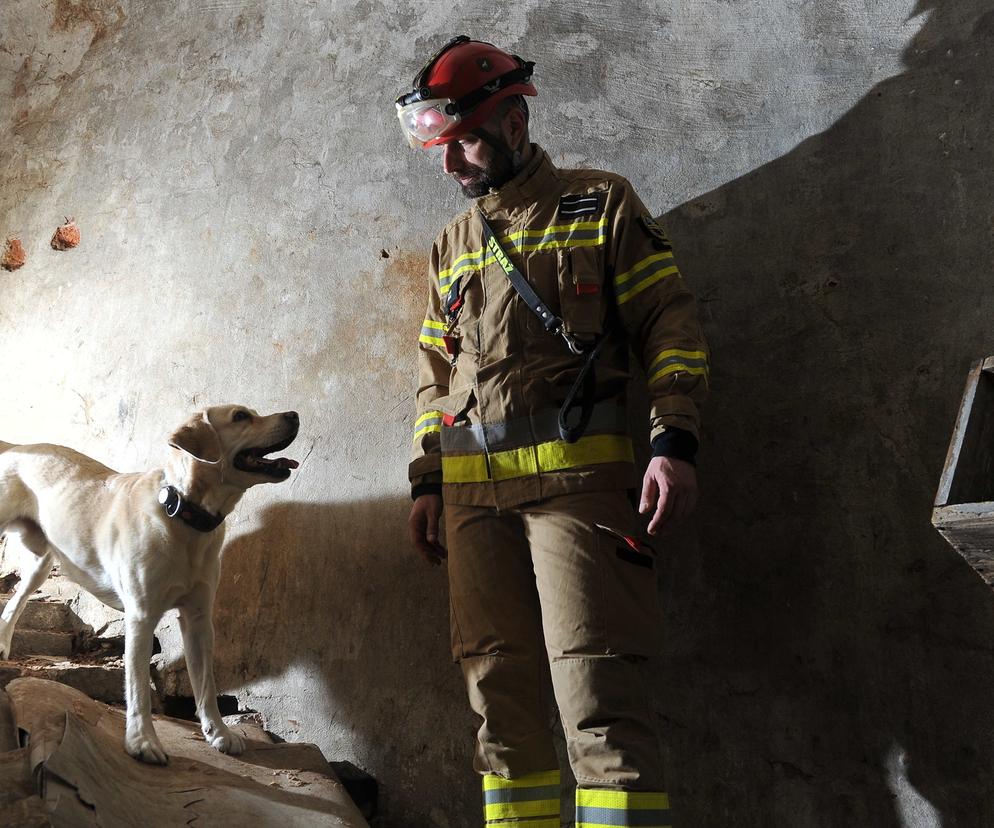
(581, 290)
(455, 406)
(459, 435)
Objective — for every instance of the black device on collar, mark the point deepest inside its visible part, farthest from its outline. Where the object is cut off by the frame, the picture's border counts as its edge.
(190, 513)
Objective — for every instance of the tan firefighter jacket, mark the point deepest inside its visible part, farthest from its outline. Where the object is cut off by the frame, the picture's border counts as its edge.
(492, 379)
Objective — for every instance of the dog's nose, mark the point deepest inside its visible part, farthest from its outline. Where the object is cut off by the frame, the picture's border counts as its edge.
(292, 416)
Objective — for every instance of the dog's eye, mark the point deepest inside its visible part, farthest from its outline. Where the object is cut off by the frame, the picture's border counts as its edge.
(239, 415)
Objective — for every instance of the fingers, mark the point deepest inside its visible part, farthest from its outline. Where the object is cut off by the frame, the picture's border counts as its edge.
(649, 491)
(669, 490)
(431, 534)
(422, 531)
(428, 553)
(665, 505)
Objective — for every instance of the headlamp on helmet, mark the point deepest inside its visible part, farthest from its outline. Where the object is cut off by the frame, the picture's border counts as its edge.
(458, 89)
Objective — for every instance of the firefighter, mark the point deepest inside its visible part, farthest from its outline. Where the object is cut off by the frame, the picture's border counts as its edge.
(537, 293)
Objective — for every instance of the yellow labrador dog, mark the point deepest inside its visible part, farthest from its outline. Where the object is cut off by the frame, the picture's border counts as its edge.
(145, 542)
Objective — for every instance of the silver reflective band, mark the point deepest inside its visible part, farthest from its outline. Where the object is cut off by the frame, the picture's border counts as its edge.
(539, 428)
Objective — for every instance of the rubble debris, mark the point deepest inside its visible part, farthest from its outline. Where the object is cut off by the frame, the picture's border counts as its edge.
(66, 236)
(13, 255)
(75, 750)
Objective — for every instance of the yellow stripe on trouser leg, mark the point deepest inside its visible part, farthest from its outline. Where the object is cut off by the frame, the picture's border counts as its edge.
(597, 808)
(531, 801)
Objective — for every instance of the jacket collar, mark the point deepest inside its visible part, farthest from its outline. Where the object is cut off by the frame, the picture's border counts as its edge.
(524, 188)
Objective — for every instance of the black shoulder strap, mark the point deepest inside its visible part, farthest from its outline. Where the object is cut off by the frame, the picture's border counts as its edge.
(553, 324)
(585, 381)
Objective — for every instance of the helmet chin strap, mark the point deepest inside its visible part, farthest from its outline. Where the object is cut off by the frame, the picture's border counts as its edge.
(498, 144)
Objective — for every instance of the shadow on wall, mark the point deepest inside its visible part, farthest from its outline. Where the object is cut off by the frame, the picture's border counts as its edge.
(329, 601)
(824, 627)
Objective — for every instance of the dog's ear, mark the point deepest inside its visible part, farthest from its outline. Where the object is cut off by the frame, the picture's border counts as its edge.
(198, 438)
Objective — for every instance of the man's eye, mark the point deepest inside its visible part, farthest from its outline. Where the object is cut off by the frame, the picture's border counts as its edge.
(240, 415)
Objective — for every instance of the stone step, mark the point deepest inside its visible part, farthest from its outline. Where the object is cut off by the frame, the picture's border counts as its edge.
(101, 680)
(30, 642)
(43, 615)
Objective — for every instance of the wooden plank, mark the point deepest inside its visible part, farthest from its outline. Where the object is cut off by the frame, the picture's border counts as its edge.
(79, 742)
(959, 431)
(964, 503)
(969, 473)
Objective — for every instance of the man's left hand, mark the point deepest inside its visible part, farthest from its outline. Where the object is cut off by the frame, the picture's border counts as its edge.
(670, 488)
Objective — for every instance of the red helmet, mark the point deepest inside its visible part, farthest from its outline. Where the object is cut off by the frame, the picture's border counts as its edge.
(458, 90)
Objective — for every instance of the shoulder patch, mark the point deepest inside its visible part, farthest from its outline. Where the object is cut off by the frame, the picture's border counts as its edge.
(582, 204)
(659, 239)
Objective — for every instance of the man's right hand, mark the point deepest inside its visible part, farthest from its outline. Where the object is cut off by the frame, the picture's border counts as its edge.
(422, 528)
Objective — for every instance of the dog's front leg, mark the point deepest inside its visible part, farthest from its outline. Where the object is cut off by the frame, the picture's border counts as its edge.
(198, 642)
(139, 737)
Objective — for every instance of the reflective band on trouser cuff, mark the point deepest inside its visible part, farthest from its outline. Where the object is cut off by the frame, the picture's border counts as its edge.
(647, 272)
(629, 809)
(427, 423)
(531, 801)
(544, 457)
(431, 333)
(675, 359)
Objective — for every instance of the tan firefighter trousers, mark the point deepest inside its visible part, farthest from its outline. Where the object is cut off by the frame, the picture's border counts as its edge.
(556, 578)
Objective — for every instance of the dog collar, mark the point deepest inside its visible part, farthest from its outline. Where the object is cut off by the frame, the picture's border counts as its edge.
(190, 513)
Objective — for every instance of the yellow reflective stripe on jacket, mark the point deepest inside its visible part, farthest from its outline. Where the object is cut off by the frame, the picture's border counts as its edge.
(645, 273)
(427, 423)
(531, 797)
(574, 234)
(548, 239)
(429, 333)
(676, 359)
(597, 808)
(477, 260)
(543, 457)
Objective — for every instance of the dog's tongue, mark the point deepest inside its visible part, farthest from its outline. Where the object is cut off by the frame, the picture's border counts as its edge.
(287, 463)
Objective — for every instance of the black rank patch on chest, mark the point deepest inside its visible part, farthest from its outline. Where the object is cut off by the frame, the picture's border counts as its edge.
(581, 205)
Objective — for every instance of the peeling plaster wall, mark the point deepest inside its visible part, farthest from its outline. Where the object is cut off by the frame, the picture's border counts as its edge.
(254, 230)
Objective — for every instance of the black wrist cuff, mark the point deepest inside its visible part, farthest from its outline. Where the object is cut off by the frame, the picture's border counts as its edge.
(676, 443)
(425, 488)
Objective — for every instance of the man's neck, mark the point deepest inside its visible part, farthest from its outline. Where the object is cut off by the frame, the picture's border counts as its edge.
(526, 155)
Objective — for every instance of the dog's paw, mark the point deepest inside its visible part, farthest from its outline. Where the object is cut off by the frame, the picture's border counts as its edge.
(227, 741)
(146, 748)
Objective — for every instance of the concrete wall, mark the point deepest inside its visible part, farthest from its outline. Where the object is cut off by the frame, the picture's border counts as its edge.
(254, 231)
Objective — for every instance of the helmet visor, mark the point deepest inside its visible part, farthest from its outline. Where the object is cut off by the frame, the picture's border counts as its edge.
(425, 120)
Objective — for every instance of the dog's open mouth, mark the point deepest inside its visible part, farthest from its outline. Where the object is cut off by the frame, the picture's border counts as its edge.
(254, 461)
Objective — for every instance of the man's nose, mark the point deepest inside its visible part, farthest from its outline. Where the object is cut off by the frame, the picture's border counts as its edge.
(451, 156)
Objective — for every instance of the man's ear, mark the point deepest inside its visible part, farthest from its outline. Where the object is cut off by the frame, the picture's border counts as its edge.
(515, 127)
(198, 438)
